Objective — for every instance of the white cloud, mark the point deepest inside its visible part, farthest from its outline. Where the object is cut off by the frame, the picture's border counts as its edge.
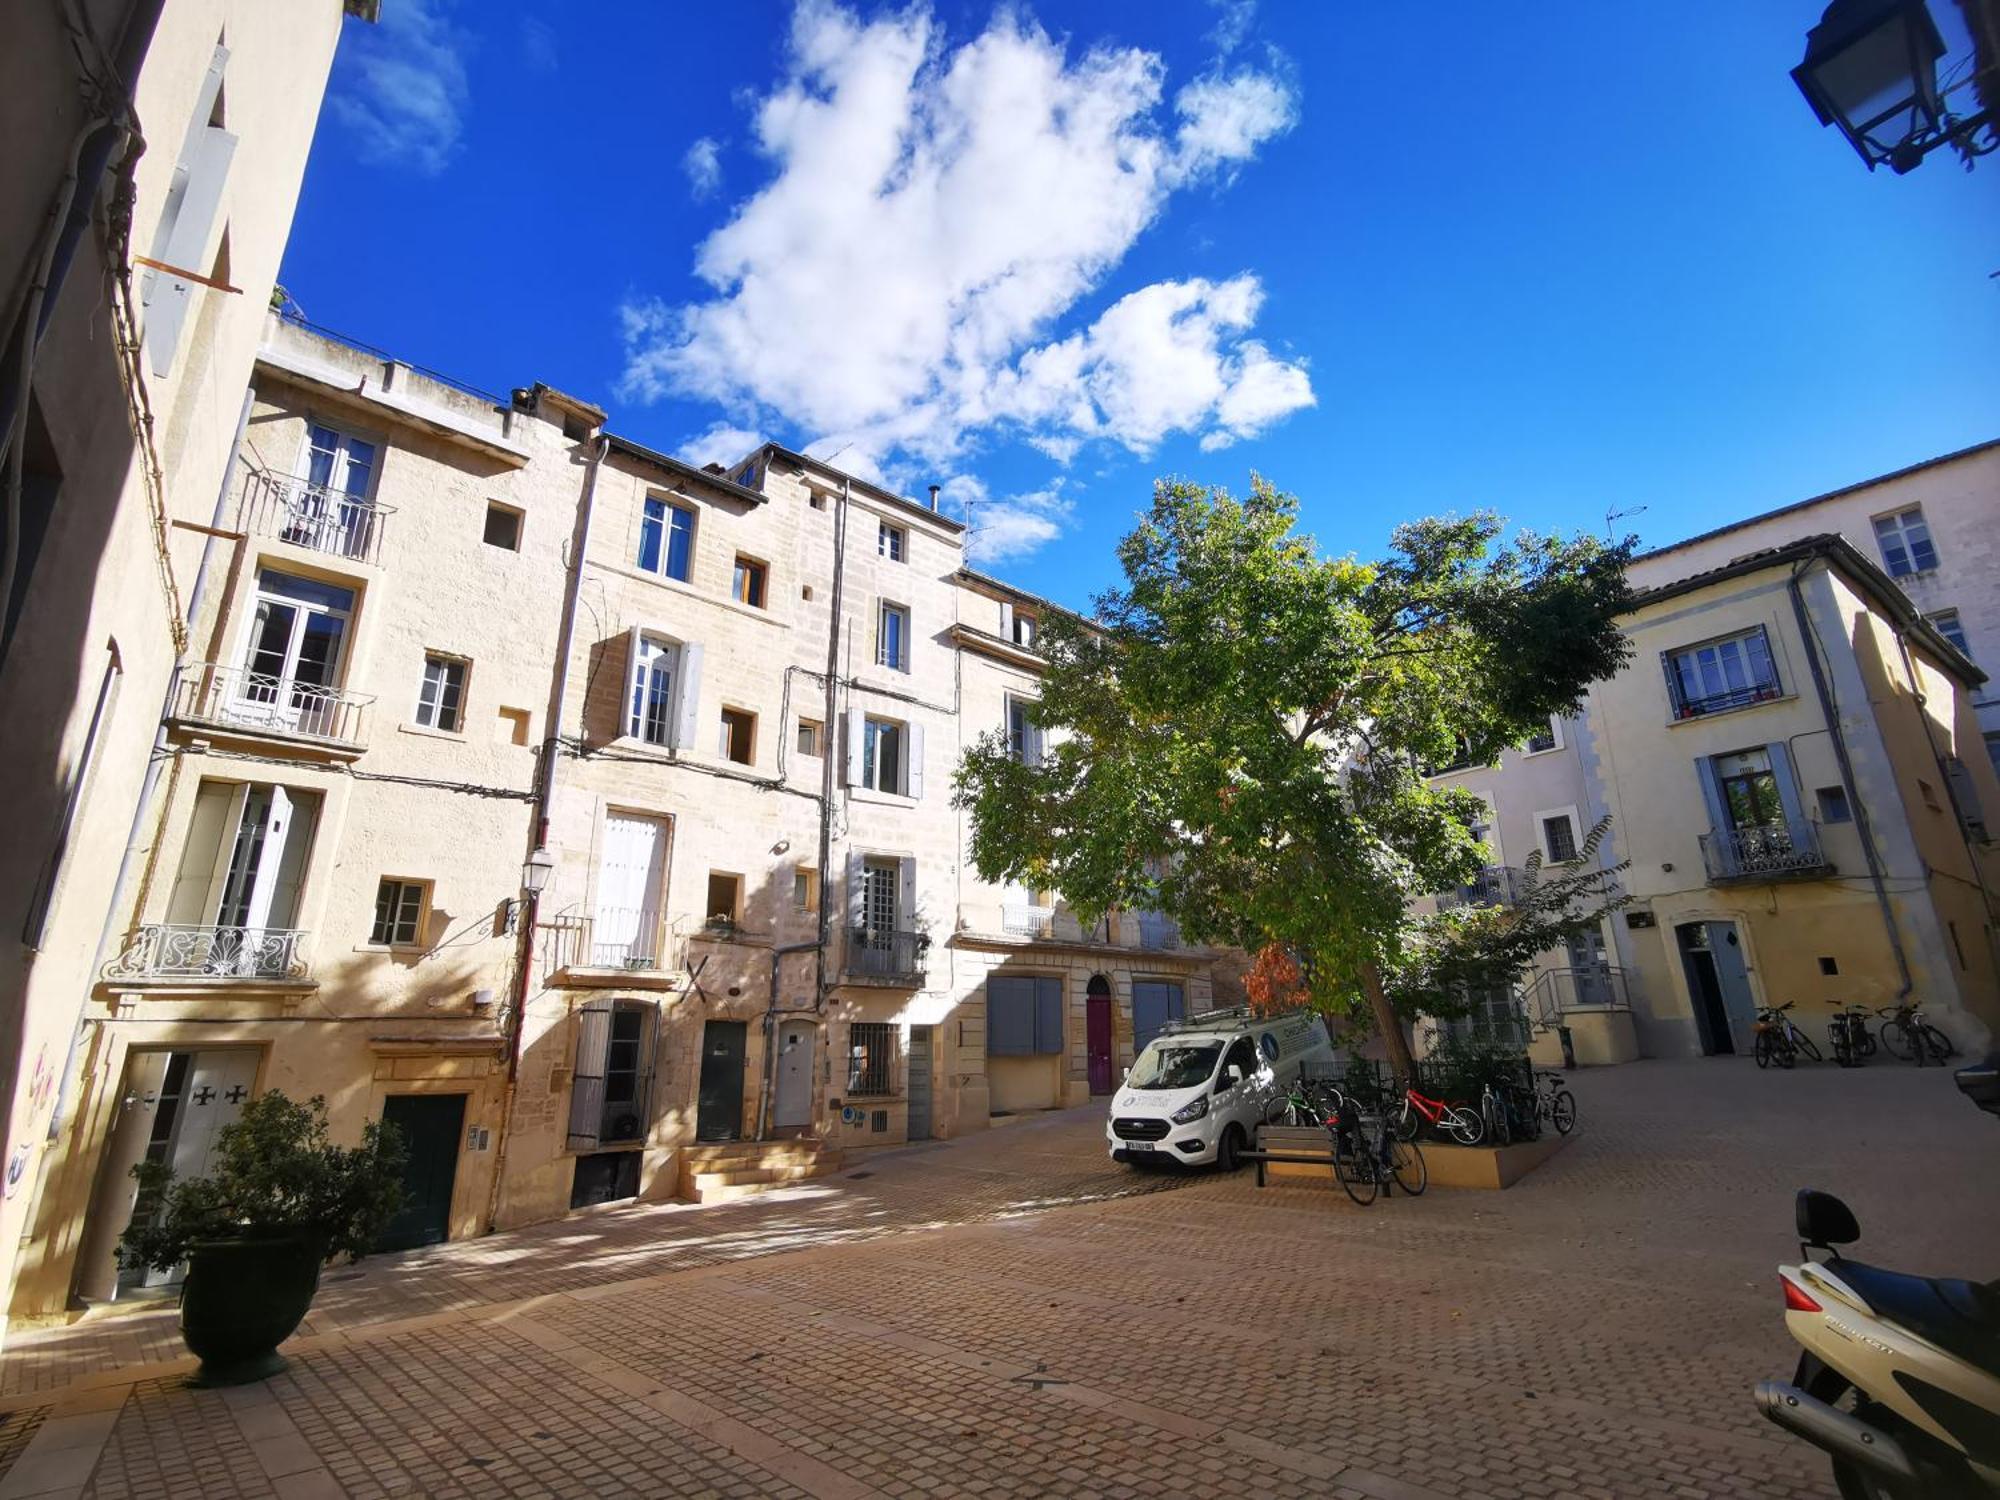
(721, 444)
(1232, 24)
(933, 211)
(703, 165)
(538, 45)
(1002, 530)
(402, 87)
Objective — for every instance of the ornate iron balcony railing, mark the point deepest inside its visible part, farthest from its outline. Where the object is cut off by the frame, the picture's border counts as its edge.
(1773, 851)
(235, 698)
(166, 950)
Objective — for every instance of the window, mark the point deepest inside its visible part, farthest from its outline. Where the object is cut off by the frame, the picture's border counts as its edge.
(1024, 735)
(747, 587)
(187, 219)
(611, 1084)
(503, 527)
(892, 638)
(750, 476)
(241, 868)
(1828, 965)
(1546, 740)
(805, 889)
(1239, 1065)
(815, 499)
(291, 667)
(808, 740)
(1748, 786)
(649, 711)
(1733, 672)
(441, 698)
(1558, 837)
(399, 913)
(328, 509)
(1154, 1003)
(889, 541)
(1024, 629)
(882, 756)
(1906, 542)
(1833, 806)
(739, 735)
(871, 1057)
(666, 540)
(1950, 627)
(1024, 1015)
(631, 876)
(724, 891)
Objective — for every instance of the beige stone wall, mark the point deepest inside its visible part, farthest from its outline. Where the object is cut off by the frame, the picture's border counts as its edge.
(98, 610)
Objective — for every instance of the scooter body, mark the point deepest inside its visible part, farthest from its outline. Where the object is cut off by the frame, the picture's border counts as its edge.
(1922, 1357)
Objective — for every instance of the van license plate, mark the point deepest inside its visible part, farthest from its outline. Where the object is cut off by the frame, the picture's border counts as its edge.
(1138, 1145)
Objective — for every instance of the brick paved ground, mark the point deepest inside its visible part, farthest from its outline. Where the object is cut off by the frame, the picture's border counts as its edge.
(1011, 1315)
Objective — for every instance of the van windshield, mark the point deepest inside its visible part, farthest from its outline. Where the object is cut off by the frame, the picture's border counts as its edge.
(1174, 1065)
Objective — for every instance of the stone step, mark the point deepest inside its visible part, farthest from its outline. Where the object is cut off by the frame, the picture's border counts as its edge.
(727, 1187)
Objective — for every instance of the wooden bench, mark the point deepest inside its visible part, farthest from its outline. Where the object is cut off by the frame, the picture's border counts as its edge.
(1323, 1159)
(1306, 1145)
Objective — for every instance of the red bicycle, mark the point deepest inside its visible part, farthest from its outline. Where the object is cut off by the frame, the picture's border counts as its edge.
(1455, 1120)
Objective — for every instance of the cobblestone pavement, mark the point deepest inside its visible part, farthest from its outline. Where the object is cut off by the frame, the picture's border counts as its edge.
(1011, 1315)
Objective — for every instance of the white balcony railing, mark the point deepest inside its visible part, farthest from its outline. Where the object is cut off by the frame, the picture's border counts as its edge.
(1773, 851)
(1027, 921)
(210, 693)
(167, 950)
(312, 515)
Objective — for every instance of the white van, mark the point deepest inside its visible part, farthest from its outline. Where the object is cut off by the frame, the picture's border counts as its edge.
(1201, 1088)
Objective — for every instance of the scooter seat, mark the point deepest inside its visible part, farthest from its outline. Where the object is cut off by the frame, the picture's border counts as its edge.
(1960, 1317)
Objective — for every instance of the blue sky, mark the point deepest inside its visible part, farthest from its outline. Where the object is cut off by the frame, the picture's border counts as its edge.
(1553, 260)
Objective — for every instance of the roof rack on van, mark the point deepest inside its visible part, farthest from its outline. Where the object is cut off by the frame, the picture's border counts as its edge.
(1208, 1019)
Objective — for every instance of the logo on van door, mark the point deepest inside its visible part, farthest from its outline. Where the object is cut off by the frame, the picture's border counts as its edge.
(1269, 1042)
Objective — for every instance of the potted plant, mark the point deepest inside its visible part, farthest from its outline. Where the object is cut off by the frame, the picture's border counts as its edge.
(279, 1201)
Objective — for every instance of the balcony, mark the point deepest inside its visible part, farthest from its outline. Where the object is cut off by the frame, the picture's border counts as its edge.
(312, 516)
(1158, 931)
(1722, 702)
(888, 958)
(617, 945)
(1558, 992)
(235, 698)
(1773, 851)
(1496, 885)
(248, 954)
(1027, 921)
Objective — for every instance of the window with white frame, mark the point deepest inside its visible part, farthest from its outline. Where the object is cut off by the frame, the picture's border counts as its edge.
(399, 913)
(441, 695)
(808, 740)
(666, 539)
(1952, 629)
(1558, 834)
(1735, 671)
(1905, 542)
(892, 637)
(890, 541)
(1546, 739)
(663, 688)
(1024, 735)
(883, 746)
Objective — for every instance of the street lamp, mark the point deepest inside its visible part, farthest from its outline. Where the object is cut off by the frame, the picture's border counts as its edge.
(1871, 69)
(536, 870)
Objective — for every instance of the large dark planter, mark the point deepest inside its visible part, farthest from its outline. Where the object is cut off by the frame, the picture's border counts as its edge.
(242, 1299)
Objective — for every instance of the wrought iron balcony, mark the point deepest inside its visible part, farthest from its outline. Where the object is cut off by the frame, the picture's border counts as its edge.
(1728, 698)
(1027, 921)
(893, 956)
(234, 698)
(312, 515)
(1158, 931)
(1774, 851)
(1496, 885)
(167, 950)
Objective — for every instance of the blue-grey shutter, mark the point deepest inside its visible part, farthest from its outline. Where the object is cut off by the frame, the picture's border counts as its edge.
(1149, 1012)
(1966, 794)
(1673, 685)
(1788, 785)
(1048, 1014)
(1010, 1016)
(1711, 793)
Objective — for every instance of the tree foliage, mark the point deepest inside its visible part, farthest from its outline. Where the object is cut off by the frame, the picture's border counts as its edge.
(1238, 738)
(275, 1174)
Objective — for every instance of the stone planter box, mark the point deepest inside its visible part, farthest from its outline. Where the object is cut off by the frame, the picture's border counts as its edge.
(1491, 1167)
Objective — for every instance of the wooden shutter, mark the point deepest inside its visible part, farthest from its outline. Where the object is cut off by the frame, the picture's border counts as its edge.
(1966, 794)
(192, 903)
(1010, 1016)
(628, 711)
(1006, 621)
(586, 1089)
(857, 734)
(906, 895)
(642, 1088)
(205, 161)
(913, 761)
(856, 918)
(1048, 1014)
(688, 706)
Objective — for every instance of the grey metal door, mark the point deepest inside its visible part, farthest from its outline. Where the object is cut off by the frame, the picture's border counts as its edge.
(793, 1109)
(719, 1105)
(920, 1083)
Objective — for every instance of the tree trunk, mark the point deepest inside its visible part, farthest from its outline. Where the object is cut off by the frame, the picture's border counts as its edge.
(1386, 1022)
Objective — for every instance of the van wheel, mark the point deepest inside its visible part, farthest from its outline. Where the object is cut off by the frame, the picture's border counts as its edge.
(1226, 1149)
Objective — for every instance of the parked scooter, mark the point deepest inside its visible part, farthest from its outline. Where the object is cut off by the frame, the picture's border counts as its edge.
(1920, 1357)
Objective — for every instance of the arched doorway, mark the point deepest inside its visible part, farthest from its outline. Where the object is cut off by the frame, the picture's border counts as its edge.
(1097, 1032)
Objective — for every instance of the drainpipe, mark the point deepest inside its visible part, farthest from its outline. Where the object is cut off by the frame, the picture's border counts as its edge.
(1840, 755)
(768, 1084)
(545, 787)
(121, 883)
(833, 747)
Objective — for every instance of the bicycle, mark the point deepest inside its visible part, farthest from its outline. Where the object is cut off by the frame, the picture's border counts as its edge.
(1455, 1120)
(1304, 1103)
(1555, 1103)
(1497, 1115)
(1367, 1156)
(1848, 1032)
(1778, 1041)
(1909, 1036)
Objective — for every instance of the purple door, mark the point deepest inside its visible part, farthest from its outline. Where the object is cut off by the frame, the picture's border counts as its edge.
(1097, 1030)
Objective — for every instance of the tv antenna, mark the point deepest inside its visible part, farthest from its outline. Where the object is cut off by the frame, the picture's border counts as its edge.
(1613, 516)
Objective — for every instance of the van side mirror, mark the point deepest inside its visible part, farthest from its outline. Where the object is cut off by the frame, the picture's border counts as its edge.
(1824, 1221)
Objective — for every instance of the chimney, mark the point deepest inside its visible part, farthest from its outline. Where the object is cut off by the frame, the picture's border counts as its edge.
(934, 495)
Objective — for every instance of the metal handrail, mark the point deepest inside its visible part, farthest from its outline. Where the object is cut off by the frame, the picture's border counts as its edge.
(1557, 992)
(1027, 921)
(315, 516)
(1496, 885)
(169, 950)
(883, 954)
(1158, 931)
(211, 693)
(1762, 852)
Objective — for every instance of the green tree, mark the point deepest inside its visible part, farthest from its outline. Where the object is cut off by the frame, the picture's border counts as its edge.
(1238, 738)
